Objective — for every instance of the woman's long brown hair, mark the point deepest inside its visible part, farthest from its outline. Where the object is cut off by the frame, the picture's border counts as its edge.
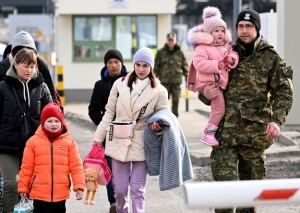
(133, 77)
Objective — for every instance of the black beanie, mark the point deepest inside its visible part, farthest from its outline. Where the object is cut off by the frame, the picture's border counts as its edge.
(249, 15)
(113, 53)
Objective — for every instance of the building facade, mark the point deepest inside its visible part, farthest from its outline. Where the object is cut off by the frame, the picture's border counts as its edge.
(85, 31)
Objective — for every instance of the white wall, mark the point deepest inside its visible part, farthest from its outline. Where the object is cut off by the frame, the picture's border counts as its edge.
(83, 75)
(289, 46)
(163, 28)
(269, 27)
(104, 7)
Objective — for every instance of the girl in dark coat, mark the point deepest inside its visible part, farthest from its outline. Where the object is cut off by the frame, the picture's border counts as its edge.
(33, 94)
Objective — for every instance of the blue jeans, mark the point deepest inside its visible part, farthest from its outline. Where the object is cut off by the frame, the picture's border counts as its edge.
(110, 187)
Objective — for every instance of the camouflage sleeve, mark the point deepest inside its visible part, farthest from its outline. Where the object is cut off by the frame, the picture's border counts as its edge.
(157, 64)
(281, 86)
(202, 98)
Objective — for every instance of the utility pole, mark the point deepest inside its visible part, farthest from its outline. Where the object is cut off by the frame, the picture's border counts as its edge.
(237, 5)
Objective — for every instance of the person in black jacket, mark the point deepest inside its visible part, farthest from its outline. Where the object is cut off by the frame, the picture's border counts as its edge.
(24, 83)
(112, 70)
(21, 40)
(6, 52)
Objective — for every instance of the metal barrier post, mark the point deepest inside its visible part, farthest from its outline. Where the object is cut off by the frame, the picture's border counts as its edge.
(187, 97)
(60, 83)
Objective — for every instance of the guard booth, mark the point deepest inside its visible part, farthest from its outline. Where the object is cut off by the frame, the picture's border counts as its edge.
(85, 31)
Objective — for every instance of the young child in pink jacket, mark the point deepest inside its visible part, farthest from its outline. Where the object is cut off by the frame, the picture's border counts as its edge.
(213, 59)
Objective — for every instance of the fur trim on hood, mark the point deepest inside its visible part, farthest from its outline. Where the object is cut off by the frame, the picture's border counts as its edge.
(197, 36)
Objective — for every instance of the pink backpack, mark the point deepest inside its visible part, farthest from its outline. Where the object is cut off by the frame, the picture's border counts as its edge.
(95, 160)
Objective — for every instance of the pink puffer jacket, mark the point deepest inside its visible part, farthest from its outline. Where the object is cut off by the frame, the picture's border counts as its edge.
(206, 58)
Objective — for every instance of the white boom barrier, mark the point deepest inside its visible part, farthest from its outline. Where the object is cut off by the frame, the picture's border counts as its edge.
(229, 194)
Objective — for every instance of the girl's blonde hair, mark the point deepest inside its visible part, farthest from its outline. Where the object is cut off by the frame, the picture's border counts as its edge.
(26, 56)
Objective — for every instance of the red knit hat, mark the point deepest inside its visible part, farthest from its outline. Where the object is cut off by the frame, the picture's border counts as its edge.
(52, 110)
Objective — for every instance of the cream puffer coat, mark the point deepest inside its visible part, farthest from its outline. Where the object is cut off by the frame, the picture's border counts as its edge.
(130, 149)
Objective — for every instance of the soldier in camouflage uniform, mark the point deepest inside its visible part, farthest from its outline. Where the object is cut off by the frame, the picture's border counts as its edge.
(258, 98)
(170, 66)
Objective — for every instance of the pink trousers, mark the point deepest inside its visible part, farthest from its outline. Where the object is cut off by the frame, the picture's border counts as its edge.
(129, 175)
(217, 109)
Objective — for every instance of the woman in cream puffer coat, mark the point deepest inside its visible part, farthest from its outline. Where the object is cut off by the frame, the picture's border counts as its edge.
(127, 97)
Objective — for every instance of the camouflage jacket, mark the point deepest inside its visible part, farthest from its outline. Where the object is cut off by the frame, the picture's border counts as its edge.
(170, 66)
(259, 91)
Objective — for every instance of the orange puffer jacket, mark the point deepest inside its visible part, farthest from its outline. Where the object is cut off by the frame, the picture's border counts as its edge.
(46, 167)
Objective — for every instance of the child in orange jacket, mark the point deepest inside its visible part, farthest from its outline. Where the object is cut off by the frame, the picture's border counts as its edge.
(50, 156)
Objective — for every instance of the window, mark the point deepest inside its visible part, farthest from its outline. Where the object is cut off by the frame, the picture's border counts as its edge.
(94, 36)
(134, 32)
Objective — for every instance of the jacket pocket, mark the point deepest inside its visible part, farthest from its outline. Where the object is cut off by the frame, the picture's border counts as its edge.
(255, 115)
(254, 110)
(263, 72)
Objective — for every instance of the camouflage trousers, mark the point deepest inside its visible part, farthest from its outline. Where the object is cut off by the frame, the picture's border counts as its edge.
(238, 163)
(174, 90)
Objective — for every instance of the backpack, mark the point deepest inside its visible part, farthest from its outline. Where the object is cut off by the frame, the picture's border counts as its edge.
(59, 101)
(95, 160)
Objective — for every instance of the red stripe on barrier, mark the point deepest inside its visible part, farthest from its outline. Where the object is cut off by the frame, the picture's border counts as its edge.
(276, 194)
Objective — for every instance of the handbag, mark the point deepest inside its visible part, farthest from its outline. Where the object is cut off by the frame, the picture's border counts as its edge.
(26, 128)
(123, 129)
(24, 206)
(96, 160)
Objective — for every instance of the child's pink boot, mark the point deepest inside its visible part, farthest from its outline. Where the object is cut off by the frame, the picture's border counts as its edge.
(209, 135)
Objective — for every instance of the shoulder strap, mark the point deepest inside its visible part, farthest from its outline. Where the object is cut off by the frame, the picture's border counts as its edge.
(142, 112)
(18, 100)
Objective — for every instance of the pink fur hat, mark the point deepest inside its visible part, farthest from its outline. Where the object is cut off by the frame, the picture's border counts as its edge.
(212, 18)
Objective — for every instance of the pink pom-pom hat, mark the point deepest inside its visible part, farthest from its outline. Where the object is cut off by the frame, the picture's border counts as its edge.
(212, 18)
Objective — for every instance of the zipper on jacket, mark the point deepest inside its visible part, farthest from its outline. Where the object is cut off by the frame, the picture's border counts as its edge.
(31, 183)
(52, 184)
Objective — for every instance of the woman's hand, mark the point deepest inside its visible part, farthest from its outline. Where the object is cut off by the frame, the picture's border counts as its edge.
(211, 91)
(155, 126)
(97, 143)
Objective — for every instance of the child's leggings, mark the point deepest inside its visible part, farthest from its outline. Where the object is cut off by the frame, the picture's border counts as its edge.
(217, 109)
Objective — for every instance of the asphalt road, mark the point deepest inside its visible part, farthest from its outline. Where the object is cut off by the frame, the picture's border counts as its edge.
(172, 201)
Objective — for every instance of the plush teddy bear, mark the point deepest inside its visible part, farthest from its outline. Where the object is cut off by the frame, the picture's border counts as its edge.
(91, 176)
